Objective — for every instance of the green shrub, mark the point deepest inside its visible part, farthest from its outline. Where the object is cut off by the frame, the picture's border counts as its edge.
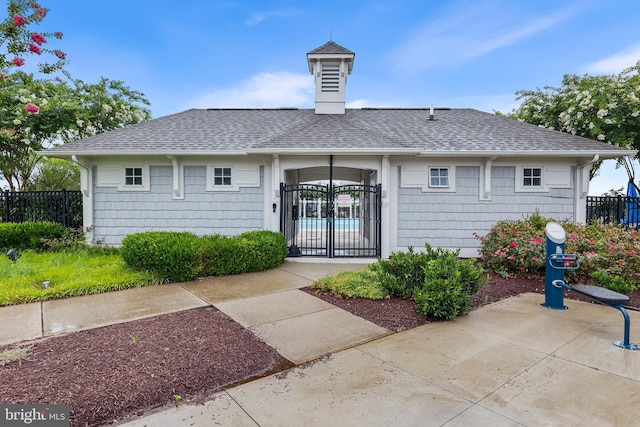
(440, 283)
(518, 248)
(174, 256)
(182, 256)
(248, 252)
(403, 271)
(615, 283)
(449, 283)
(352, 284)
(29, 235)
(72, 238)
(444, 298)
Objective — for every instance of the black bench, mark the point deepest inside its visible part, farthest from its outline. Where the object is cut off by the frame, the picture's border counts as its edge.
(607, 297)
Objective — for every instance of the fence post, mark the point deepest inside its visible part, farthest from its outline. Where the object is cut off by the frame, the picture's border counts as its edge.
(6, 206)
(65, 220)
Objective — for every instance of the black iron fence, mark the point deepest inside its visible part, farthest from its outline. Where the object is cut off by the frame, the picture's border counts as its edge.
(64, 207)
(614, 210)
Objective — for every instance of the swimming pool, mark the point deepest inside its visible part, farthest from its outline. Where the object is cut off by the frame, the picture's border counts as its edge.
(321, 223)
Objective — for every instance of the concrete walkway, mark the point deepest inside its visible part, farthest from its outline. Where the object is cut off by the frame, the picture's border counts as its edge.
(510, 363)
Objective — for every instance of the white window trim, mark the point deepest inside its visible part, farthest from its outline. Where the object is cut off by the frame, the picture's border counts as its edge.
(210, 179)
(146, 180)
(432, 186)
(451, 188)
(419, 176)
(521, 188)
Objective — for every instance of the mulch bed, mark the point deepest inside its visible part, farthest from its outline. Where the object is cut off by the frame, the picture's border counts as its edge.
(106, 373)
(109, 373)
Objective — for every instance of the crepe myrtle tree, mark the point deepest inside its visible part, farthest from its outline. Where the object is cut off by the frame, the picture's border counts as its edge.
(36, 114)
(19, 43)
(601, 107)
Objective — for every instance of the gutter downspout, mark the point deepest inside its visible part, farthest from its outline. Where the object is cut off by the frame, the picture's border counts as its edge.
(177, 175)
(582, 189)
(485, 191)
(584, 177)
(84, 183)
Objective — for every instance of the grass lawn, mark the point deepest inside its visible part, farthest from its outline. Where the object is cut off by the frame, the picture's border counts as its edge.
(69, 273)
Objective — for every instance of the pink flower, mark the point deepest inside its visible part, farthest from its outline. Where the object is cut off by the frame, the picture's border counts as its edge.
(41, 12)
(38, 38)
(60, 54)
(57, 35)
(511, 257)
(634, 232)
(32, 108)
(18, 20)
(35, 49)
(18, 62)
(513, 245)
(58, 79)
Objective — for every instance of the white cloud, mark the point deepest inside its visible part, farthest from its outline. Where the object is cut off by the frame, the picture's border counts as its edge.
(615, 63)
(264, 90)
(258, 17)
(469, 33)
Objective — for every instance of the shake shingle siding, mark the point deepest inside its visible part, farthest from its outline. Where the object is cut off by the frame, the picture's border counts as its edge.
(450, 219)
(202, 212)
(295, 143)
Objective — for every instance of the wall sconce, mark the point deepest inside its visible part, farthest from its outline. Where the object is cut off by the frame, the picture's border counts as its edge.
(275, 206)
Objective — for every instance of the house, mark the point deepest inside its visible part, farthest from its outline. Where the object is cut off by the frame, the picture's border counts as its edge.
(336, 181)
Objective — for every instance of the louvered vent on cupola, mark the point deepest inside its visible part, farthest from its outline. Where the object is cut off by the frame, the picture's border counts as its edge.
(330, 64)
(330, 77)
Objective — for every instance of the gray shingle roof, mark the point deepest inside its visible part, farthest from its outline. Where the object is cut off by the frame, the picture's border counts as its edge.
(331, 48)
(455, 132)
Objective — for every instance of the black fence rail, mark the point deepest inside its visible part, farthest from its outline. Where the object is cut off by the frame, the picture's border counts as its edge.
(63, 207)
(614, 210)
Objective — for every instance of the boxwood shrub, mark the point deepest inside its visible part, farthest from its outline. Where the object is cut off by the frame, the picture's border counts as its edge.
(29, 235)
(181, 256)
(248, 252)
(173, 256)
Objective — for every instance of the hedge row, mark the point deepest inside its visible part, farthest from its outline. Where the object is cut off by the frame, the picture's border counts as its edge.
(183, 256)
(29, 235)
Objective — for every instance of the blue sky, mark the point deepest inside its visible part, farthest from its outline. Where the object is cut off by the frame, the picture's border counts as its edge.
(409, 53)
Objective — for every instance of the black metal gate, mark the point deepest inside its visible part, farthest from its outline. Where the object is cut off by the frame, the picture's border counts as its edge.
(331, 221)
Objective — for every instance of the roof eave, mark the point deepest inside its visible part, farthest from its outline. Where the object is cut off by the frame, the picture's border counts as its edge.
(603, 155)
(146, 153)
(329, 150)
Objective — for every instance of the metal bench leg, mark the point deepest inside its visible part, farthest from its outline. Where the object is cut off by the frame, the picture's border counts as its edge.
(627, 326)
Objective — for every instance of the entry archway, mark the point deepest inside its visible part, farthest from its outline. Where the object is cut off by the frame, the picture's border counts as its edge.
(332, 212)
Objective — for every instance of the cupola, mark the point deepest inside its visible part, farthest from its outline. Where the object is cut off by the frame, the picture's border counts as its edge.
(330, 64)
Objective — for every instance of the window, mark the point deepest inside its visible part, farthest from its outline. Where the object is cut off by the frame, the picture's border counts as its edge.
(133, 177)
(438, 177)
(222, 177)
(532, 177)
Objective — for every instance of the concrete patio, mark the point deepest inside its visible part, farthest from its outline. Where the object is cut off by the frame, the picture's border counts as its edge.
(509, 363)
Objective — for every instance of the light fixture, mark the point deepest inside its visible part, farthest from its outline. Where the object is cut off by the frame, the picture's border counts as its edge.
(13, 255)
